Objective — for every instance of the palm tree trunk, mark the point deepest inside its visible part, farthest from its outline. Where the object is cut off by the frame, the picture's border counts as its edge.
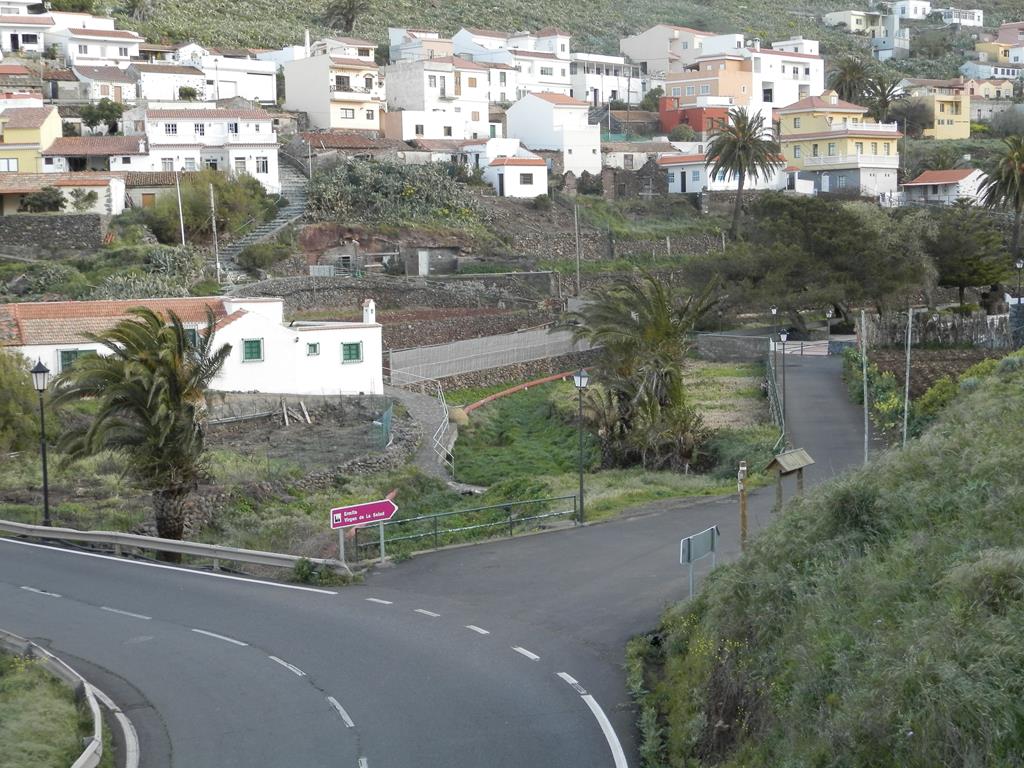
(1015, 242)
(734, 231)
(170, 512)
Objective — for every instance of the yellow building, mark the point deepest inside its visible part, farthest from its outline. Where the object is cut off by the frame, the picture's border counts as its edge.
(833, 144)
(950, 104)
(997, 88)
(24, 133)
(994, 52)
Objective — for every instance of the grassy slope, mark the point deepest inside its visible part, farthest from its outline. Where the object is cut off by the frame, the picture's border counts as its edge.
(878, 622)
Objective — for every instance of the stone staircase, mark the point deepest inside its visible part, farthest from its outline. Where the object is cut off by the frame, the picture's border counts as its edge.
(293, 190)
(599, 116)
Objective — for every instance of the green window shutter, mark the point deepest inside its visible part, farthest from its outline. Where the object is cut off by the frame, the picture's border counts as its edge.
(312, 350)
(68, 357)
(252, 350)
(352, 353)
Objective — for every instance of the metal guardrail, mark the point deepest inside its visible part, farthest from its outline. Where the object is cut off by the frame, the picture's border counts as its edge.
(428, 527)
(121, 541)
(439, 440)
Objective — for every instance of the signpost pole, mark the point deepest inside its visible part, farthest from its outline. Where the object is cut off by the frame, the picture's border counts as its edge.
(382, 555)
(341, 548)
(742, 483)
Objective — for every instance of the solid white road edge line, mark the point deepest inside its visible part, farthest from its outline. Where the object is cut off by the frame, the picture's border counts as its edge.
(131, 738)
(528, 654)
(290, 667)
(220, 637)
(126, 561)
(478, 630)
(609, 733)
(378, 601)
(341, 711)
(40, 592)
(428, 613)
(119, 612)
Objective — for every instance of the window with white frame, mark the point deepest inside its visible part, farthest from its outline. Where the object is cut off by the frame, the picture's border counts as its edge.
(8, 165)
(841, 182)
(190, 163)
(797, 152)
(240, 166)
(166, 164)
(122, 52)
(690, 90)
(831, 149)
(262, 165)
(370, 114)
(796, 122)
(170, 129)
(526, 179)
(432, 81)
(232, 127)
(312, 350)
(252, 350)
(83, 49)
(705, 90)
(694, 175)
(346, 113)
(200, 129)
(671, 178)
(418, 130)
(547, 71)
(352, 353)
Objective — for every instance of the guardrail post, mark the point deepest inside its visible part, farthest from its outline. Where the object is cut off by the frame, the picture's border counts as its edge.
(117, 550)
(435, 533)
(216, 563)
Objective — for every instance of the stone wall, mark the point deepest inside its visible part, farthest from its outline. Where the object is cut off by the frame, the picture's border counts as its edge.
(511, 374)
(48, 234)
(729, 348)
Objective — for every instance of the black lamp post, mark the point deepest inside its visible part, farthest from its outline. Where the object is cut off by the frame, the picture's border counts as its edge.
(581, 379)
(1019, 264)
(775, 332)
(40, 379)
(828, 328)
(783, 335)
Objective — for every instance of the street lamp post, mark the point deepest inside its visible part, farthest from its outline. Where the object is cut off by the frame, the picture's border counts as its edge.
(775, 330)
(40, 378)
(1019, 264)
(783, 335)
(581, 379)
(828, 329)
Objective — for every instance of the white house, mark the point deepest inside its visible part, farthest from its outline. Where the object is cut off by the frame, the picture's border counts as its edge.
(541, 59)
(230, 73)
(267, 355)
(691, 173)
(407, 44)
(106, 83)
(518, 176)
(452, 86)
(282, 56)
(965, 17)
(946, 187)
(664, 48)
(109, 189)
(416, 125)
(23, 33)
(234, 141)
(912, 9)
(86, 45)
(598, 78)
(552, 121)
(166, 82)
(336, 91)
(988, 70)
(96, 153)
(633, 155)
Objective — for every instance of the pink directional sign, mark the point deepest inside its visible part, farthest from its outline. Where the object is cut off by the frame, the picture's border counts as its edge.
(367, 512)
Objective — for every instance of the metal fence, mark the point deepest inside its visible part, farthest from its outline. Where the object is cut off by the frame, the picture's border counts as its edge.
(775, 410)
(413, 534)
(481, 354)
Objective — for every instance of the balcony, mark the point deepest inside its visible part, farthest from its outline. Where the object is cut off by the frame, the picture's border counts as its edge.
(353, 93)
(823, 162)
(447, 96)
(868, 127)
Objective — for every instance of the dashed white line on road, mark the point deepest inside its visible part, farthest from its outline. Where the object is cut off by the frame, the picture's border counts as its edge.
(220, 637)
(427, 613)
(478, 630)
(378, 601)
(341, 711)
(528, 654)
(289, 667)
(573, 682)
(119, 612)
(40, 592)
(609, 733)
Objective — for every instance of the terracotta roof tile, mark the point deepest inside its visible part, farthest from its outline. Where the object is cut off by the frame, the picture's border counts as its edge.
(135, 179)
(199, 114)
(96, 146)
(25, 117)
(560, 100)
(120, 34)
(25, 183)
(478, 32)
(63, 75)
(166, 69)
(520, 53)
(355, 42)
(941, 177)
(105, 74)
(817, 102)
(681, 159)
(14, 69)
(518, 161)
(27, 20)
(339, 140)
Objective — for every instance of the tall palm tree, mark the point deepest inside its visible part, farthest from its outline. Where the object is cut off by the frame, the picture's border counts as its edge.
(152, 405)
(849, 78)
(342, 14)
(882, 91)
(743, 147)
(1004, 186)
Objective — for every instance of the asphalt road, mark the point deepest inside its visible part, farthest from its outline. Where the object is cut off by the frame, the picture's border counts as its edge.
(505, 654)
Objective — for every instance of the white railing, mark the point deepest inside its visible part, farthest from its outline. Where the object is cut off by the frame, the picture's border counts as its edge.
(870, 127)
(439, 439)
(875, 161)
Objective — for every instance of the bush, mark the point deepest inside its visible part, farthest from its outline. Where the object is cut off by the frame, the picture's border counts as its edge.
(263, 255)
(589, 184)
(19, 404)
(726, 448)
(46, 200)
(682, 132)
(542, 203)
(1008, 123)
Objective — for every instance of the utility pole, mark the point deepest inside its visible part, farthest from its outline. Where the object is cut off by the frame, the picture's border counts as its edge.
(181, 214)
(576, 213)
(213, 225)
(906, 385)
(864, 375)
(741, 482)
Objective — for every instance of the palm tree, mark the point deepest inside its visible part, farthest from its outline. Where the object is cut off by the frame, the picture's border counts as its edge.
(342, 14)
(849, 78)
(743, 147)
(1004, 186)
(152, 405)
(882, 91)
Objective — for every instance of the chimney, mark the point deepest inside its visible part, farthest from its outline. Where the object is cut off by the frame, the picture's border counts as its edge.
(757, 43)
(142, 146)
(369, 312)
(307, 43)
(833, 97)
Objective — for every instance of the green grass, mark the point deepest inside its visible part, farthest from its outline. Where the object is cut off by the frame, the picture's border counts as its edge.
(40, 724)
(875, 623)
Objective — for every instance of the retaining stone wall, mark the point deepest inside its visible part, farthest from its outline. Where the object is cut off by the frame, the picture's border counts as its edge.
(725, 348)
(48, 234)
(534, 369)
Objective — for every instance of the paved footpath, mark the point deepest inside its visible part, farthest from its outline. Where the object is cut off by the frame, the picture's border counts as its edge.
(603, 584)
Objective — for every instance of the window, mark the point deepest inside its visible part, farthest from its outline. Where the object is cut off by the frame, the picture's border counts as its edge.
(501, 80)
(200, 129)
(671, 178)
(368, 83)
(262, 165)
(192, 335)
(676, 92)
(49, 161)
(705, 90)
(562, 47)
(432, 81)
(68, 357)
(935, 189)
(342, 83)
(627, 162)
(474, 116)
(447, 130)
(526, 179)
(8, 165)
(721, 176)
(471, 82)
(814, 150)
(312, 350)
(83, 49)
(796, 152)
(352, 353)
(886, 145)
(256, 127)
(547, 71)
(364, 51)
(122, 52)
(190, 163)
(690, 91)
(346, 113)
(104, 90)
(859, 147)
(418, 130)
(170, 129)
(29, 39)
(240, 165)
(166, 164)
(874, 147)
(841, 182)
(831, 149)
(252, 350)
(232, 127)
(796, 122)
(694, 175)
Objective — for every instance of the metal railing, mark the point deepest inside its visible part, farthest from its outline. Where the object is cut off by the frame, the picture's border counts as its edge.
(439, 439)
(464, 525)
(774, 401)
(122, 541)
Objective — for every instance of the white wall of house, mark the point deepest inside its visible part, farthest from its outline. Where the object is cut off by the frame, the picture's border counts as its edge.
(119, 91)
(282, 56)
(417, 124)
(26, 35)
(526, 181)
(912, 9)
(664, 48)
(228, 77)
(541, 125)
(88, 49)
(311, 86)
(123, 163)
(598, 79)
(433, 86)
(165, 86)
(694, 176)
(947, 194)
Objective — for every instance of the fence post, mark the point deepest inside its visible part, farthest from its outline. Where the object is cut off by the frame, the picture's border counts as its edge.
(435, 533)
(509, 510)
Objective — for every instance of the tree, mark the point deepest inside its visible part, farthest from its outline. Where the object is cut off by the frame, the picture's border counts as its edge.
(82, 201)
(743, 148)
(46, 200)
(103, 111)
(151, 406)
(1004, 186)
(342, 14)
(73, 6)
(652, 99)
(849, 79)
(1008, 123)
(19, 405)
(187, 93)
(966, 249)
(138, 10)
(882, 91)
(682, 132)
(913, 116)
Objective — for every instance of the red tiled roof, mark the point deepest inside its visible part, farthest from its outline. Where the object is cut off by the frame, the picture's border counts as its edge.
(63, 75)
(445, 145)
(681, 159)
(458, 62)
(518, 161)
(26, 21)
(14, 69)
(105, 74)
(26, 183)
(957, 82)
(531, 54)
(166, 69)
(816, 102)
(551, 32)
(941, 177)
(487, 32)
(115, 33)
(96, 146)
(849, 130)
(342, 61)
(560, 100)
(351, 140)
(26, 117)
(135, 179)
(355, 42)
(686, 29)
(66, 322)
(787, 54)
(200, 114)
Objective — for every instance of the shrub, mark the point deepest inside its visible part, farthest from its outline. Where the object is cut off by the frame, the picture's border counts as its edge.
(46, 200)
(263, 255)
(682, 132)
(82, 201)
(726, 448)
(993, 582)
(186, 93)
(19, 404)
(589, 184)
(542, 203)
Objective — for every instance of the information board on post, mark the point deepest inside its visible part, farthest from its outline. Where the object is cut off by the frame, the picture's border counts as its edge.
(697, 547)
(361, 514)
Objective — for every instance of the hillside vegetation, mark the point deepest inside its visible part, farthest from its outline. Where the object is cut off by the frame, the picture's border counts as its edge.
(876, 623)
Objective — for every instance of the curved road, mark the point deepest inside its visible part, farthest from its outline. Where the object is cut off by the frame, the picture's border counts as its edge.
(505, 654)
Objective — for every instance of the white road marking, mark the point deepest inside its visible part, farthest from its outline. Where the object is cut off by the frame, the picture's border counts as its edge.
(289, 667)
(378, 601)
(341, 711)
(131, 738)
(220, 637)
(478, 630)
(528, 654)
(428, 613)
(40, 592)
(119, 612)
(208, 574)
(573, 682)
(364, 763)
(609, 733)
